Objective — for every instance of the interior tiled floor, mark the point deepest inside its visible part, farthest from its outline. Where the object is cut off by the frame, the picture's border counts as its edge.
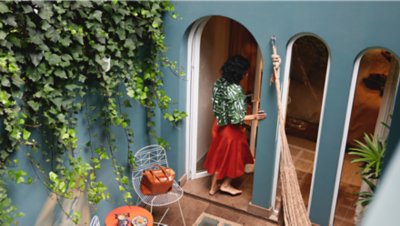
(200, 187)
(350, 182)
(303, 157)
(193, 207)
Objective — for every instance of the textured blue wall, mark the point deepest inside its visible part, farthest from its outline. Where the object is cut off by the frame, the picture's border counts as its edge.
(347, 28)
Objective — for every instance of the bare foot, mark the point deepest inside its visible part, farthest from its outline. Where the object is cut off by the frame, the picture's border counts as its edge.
(231, 190)
(214, 190)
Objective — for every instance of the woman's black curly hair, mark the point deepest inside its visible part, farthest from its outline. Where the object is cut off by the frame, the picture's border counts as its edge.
(234, 69)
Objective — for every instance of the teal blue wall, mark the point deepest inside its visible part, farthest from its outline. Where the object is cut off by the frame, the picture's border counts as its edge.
(347, 28)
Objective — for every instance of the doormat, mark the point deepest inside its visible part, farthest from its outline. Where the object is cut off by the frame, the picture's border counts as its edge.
(206, 219)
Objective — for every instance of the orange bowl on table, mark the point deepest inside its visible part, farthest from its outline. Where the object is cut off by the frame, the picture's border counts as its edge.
(137, 216)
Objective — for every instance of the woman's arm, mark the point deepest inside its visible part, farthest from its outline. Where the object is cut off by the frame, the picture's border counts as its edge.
(258, 116)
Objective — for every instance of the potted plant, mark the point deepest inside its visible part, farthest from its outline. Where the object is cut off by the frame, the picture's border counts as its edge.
(370, 153)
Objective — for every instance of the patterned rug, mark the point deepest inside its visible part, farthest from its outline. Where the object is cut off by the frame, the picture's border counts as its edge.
(206, 219)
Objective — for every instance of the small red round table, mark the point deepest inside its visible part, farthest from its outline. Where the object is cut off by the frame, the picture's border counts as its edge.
(130, 212)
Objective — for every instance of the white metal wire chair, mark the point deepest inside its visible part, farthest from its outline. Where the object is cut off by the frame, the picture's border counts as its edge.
(147, 158)
(95, 221)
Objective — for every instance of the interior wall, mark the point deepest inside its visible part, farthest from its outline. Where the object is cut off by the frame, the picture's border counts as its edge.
(307, 78)
(214, 52)
(307, 84)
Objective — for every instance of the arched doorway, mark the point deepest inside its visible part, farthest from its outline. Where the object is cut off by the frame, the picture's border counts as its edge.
(305, 80)
(374, 87)
(211, 42)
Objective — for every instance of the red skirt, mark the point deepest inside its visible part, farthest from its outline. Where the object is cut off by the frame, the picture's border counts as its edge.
(229, 151)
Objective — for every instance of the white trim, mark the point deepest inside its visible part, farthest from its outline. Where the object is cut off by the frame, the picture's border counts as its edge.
(344, 138)
(193, 62)
(256, 100)
(388, 99)
(321, 122)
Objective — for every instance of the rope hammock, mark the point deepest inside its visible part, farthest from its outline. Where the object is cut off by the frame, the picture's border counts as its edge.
(293, 210)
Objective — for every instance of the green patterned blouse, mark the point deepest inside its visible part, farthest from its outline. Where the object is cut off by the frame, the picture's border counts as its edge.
(228, 102)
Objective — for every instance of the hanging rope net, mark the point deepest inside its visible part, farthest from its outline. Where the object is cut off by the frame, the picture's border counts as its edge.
(293, 210)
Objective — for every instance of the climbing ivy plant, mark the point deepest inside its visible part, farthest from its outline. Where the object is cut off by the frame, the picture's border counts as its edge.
(53, 56)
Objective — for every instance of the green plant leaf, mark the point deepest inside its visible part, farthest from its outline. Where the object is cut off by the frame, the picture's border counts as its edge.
(36, 58)
(34, 105)
(5, 82)
(10, 20)
(53, 176)
(26, 134)
(53, 59)
(3, 35)
(4, 8)
(46, 13)
(60, 73)
(27, 8)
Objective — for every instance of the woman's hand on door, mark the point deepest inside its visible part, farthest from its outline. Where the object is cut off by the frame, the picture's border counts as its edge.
(258, 116)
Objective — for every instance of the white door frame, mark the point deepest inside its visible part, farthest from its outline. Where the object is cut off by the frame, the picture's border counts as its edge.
(387, 105)
(256, 101)
(192, 91)
(344, 138)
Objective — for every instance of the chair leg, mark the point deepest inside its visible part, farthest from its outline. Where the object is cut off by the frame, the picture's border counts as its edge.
(180, 209)
(162, 218)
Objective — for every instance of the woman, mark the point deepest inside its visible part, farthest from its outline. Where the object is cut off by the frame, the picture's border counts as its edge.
(229, 151)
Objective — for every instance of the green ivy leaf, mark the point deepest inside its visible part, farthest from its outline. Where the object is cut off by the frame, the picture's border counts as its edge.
(34, 105)
(5, 82)
(60, 73)
(4, 8)
(45, 25)
(99, 47)
(53, 176)
(36, 38)
(3, 97)
(14, 40)
(53, 59)
(46, 13)
(65, 41)
(72, 87)
(129, 44)
(30, 23)
(27, 8)
(17, 80)
(3, 35)
(57, 101)
(97, 15)
(36, 58)
(11, 21)
(26, 134)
